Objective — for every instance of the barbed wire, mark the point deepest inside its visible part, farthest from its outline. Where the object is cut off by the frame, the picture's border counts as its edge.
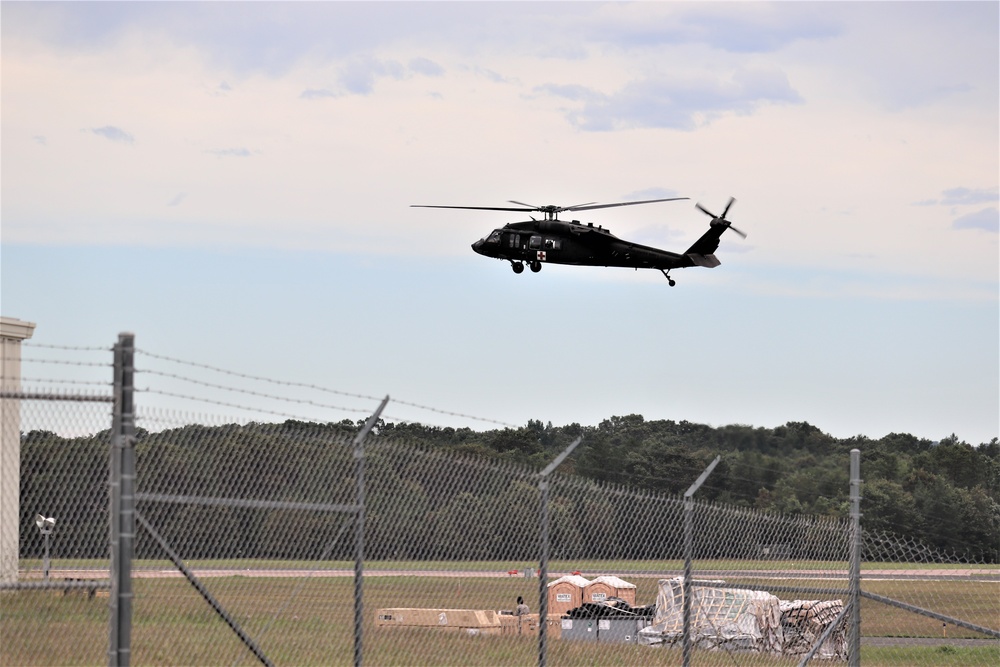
(257, 378)
(74, 348)
(275, 413)
(456, 414)
(63, 362)
(248, 392)
(238, 406)
(54, 381)
(304, 385)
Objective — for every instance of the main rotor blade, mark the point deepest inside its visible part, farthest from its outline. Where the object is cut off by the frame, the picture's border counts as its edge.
(554, 209)
(551, 208)
(591, 207)
(474, 208)
(576, 207)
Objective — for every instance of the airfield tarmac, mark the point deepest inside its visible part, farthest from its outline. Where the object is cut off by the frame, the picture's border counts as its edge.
(942, 574)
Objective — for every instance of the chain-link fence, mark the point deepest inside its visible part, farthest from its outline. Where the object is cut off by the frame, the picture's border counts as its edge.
(246, 550)
(53, 607)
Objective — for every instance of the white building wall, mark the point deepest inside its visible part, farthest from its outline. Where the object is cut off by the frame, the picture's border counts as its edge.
(12, 332)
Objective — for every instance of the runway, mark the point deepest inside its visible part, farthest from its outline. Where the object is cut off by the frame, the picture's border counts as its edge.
(938, 574)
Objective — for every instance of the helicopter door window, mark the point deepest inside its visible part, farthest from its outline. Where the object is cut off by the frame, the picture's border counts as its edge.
(535, 243)
(553, 244)
(514, 240)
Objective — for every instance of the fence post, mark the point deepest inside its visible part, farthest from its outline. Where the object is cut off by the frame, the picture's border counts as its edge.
(543, 564)
(359, 531)
(688, 549)
(122, 500)
(854, 624)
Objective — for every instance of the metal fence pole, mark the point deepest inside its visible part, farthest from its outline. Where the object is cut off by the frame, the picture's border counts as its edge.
(543, 573)
(854, 602)
(359, 531)
(46, 562)
(114, 493)
(122, 499)
(688, 549)
(543, 564)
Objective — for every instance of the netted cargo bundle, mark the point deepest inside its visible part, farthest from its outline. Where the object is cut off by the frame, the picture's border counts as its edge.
(721, 618)
(805, 621)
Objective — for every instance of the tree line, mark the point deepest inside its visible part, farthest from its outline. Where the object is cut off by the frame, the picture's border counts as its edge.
(943, 494)
(444, 493)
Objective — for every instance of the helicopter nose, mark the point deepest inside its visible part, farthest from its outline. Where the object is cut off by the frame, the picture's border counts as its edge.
(478, 246)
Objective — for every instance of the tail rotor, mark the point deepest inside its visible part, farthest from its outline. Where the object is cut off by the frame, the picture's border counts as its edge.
(721, 219)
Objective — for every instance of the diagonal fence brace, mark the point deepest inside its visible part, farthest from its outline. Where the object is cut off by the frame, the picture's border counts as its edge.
(194, 581)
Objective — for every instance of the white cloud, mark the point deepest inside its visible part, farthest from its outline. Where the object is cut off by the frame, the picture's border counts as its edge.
(230, 152)
(426, 67)
(359, 74)
(113, 133)
(317, 94)
(987, 219)
(741, 28)
(675, 103)
(965, 196)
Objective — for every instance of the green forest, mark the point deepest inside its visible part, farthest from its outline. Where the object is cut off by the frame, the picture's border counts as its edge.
(945, 495)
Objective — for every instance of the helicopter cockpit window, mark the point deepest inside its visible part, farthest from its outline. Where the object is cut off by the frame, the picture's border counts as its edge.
(535, 242)
(494, 237)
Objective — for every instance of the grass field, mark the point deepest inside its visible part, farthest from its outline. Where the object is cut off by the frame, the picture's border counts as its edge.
(309, 621)
(588, 567)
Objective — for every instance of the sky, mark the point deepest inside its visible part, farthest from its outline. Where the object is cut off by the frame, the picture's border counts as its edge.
(232, 182)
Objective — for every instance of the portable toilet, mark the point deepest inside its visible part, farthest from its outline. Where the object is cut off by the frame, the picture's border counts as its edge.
(602, 588)
(566, 593)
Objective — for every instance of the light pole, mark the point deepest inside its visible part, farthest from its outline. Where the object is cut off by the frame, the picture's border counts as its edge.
(45, 526)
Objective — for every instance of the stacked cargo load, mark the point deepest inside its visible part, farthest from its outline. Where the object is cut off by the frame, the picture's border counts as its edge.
(721, 618)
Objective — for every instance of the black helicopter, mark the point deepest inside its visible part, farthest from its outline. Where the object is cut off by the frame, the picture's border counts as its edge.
(582, 244)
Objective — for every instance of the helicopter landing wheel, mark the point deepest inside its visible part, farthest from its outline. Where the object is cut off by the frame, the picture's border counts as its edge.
(535, 266)
(517, 266)
(671, 282)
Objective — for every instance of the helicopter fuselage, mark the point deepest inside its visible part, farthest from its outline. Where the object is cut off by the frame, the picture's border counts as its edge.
(581, 244)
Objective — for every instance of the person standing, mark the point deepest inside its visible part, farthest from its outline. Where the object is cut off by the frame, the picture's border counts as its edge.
(522, 609)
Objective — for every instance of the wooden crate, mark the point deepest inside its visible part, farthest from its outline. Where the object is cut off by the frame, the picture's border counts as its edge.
(472, 621)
